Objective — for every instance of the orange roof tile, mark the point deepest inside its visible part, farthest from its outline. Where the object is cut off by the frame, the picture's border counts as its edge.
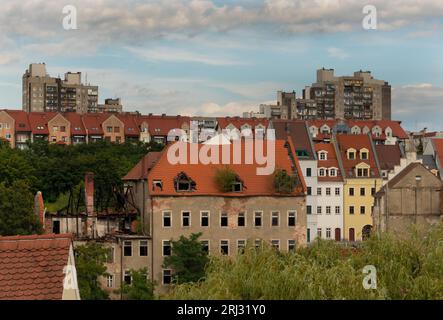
(330, 162)
(77, 126)
(40, 120)
(141, 169)
(203, 175)
(31, 267)
(21, 120)
(438, 146)
(356, 141)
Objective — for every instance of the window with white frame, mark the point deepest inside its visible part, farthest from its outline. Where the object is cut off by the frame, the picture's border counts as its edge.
(291, 218)
(337, 191)
(322, 172)
(167, 276)
(333, 172)
(127, 278)
(275, 244)
(291, 245)
(319, 210)
(127, 248)
(241, 245)
(166, 219)
(223, 219)
(143, 248)
(337, 210)
(204, 218)
(323, 155)
(110, 281)
(166, 248)
(328, 191)
(224, 247)
(258, 218)
(328, 233)
(328, 210)
(186, 219)
(205, 245)
(275, 219)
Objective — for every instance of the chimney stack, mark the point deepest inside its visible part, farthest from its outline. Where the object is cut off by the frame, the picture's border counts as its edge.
(39, 208)
(89, 193)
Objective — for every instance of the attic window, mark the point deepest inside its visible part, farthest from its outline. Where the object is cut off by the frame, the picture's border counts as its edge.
(237, 186)
(21, 125)
(40, 128)
(362, 172)
(301, 153)
(183, 183)
(351, 155)
(157, 184)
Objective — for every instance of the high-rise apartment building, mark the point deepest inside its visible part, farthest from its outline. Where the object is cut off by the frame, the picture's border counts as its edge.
(43, 93)
(359, 97)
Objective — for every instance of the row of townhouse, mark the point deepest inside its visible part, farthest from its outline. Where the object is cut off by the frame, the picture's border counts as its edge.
(19, 127)
(343, 169)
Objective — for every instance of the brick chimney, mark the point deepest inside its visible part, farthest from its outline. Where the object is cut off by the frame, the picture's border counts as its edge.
(89, 193)
(39, 208)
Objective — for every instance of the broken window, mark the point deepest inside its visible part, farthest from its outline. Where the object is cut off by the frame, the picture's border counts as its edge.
(167, 276)
(166, 248)
(241, 219)
(157, 185)
(223, 219)
(224, 247)
(275, 217)
(275, 244)
(257, 218)
(237, 187)
(127, 277)
(183, 183)
(204, 219)
(110, 255)
(166, 219)
(143, 248)
(127, 248)
(241, 245)
(291, 245)
(205, 245)
(186, 219)
(291, 219)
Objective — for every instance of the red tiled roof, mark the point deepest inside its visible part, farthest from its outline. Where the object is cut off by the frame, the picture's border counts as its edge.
(330, 162)
(93, 123)
(31, 267)
(161, 125)
(40, 119)
(356, 141)
(298, 132)
(77, 126)
(21, 120)
(141, 169)
(438, 146)
(203, 175)
(397, 130)
(238, 122)
(388, 156)
(131, 126)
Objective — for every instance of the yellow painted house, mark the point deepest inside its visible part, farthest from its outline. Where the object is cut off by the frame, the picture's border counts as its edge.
(362, 179)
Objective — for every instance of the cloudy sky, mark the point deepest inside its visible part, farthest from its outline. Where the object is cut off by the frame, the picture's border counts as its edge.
(214, 57)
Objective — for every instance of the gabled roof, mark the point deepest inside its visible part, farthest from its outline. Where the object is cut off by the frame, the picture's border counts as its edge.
(40, 119)
(31, 267)
(204, 175)
(299, 134)
(330, 162)
(397, 130)
(141, 169)
(388, 156)
(93, 123)
(238, 122)
(131, 126)
(161, 125)
(77, 126)
(21, 120)
(358, 142)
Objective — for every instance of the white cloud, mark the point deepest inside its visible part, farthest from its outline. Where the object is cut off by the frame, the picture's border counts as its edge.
(179, 55)
(337, 53)
(212, 109)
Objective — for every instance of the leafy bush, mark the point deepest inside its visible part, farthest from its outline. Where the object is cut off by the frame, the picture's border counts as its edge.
(283, 182)
(141, 287)
(408, 268)
(224, 178)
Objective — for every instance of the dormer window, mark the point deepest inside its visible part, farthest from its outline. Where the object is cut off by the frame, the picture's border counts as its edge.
(157, 185)
(333, 172)
(183, 183)
(323, 155)
(237, 186)
(322, 172)
(40, 128)
(351, 154)
(364, 154)
(362, 172)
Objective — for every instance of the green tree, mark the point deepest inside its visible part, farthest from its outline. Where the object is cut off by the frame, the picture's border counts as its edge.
(90, 263)
(141, 288)
(188, 259)
(283, 182)
(16, 210)
(224, 178)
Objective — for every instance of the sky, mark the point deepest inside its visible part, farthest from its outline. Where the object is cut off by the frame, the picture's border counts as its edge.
(213, 57)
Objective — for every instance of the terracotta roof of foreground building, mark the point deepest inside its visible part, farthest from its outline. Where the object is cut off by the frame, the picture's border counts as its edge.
(204, 174)
(141, 169)
(31, 267)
